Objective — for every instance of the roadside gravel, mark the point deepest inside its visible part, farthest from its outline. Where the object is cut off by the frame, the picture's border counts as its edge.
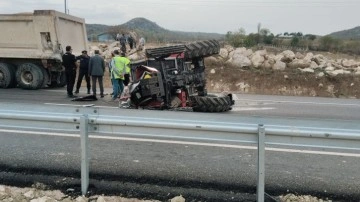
(38, 193)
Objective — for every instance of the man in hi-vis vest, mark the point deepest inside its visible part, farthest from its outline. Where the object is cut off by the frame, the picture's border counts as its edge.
(119, 64)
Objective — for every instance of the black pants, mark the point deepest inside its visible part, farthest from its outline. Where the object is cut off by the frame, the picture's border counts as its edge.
(82, 73)
(100, 80)
(126, 79)
(70, 81)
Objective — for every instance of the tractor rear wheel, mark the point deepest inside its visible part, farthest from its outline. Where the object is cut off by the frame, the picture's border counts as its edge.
(211, 103)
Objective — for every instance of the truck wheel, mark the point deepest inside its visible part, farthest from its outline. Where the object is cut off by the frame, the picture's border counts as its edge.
(46, 78)
(29, 76)
(7, 76)
(211, 103)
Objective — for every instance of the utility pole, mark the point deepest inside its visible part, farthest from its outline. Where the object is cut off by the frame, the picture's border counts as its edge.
(65, 7)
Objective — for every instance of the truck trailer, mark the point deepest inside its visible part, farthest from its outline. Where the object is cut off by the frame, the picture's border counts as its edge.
(32, 45)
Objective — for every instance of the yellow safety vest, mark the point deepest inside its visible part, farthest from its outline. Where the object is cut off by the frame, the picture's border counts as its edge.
(122, 66)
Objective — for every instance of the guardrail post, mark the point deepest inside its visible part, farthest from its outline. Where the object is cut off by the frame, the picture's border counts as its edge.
(260, 193)
(84, 154)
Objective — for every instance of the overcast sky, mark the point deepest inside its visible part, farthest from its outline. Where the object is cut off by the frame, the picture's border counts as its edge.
(308, 16)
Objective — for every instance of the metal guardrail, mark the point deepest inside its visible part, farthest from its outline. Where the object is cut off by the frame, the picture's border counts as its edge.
(90, 119)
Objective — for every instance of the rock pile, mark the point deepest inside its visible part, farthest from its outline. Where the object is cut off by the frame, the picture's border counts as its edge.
(261, 59)
(38, 194)
(308, 63)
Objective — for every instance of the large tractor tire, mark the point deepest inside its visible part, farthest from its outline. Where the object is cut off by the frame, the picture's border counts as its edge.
(191, 50)
(7, 76)
(29, 76)
(202, 49)
(211, 103)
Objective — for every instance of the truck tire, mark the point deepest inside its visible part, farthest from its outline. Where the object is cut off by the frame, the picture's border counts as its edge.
(46, 78)
(29, 76)
(7, 76)
(211, 103)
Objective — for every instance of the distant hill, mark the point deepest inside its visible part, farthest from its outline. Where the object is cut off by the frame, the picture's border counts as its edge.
(151, 31)
(353, 33)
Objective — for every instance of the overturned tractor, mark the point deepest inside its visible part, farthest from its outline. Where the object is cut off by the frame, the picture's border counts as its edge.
(173, 77)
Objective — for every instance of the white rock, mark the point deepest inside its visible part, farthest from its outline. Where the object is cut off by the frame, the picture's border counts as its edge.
(240, 61)
(100, 199)
(279, 65)
(329, 68)
(29, 194)
(349, 63)
(224, 53)
(43, 199)
(2, 188)
(320, 74)
(261, 52)
(289, 56)
(257, 59)
(299, 55)
(300, 63)
(229, 48)
(81, 199)
(309, 70)
(267, 64)
(243, 87)
(309, 56)
(313, 65)
(212, 71)
(178, 199)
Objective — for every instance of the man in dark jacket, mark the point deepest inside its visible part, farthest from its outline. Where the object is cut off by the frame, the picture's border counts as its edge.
(69, 61)
(96, 71)
(84, 66)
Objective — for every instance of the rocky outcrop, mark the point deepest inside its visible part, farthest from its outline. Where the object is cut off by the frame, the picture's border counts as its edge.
(305, 62)
(260, 59)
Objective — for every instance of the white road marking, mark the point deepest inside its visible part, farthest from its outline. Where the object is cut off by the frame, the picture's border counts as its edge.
(184, 143)
(251, 108)
(87, 105)
(297, 102)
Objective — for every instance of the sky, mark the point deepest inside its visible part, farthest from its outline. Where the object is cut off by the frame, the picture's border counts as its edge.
(318, 17)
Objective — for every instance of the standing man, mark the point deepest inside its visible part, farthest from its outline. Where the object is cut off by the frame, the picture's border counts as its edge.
(131, 41)
(84, 66)
(123, 43)
(118, 72)
(69, 62)
(141, 43)
(96, 71)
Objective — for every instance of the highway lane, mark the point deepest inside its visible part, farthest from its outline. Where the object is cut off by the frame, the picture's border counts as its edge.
(245, 104)
(194, 164)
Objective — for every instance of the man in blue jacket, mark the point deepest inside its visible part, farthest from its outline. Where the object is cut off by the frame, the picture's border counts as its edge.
(96, 71)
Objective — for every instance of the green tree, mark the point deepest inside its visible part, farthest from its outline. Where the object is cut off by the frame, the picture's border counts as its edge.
(295, 41)
(328, 43)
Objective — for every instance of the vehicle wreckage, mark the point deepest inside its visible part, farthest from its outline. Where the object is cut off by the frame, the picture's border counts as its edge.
(173, 78)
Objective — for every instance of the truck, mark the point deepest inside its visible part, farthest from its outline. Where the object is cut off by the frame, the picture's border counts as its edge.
(32, 45)
(173, 77)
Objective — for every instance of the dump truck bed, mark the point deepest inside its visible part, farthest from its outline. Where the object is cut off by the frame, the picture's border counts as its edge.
(41, 35)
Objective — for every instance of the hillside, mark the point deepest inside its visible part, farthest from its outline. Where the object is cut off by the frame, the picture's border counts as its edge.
(151, 31)
(353, 33)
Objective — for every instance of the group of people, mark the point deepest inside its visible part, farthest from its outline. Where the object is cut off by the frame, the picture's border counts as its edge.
(94, 67)
(123, 40)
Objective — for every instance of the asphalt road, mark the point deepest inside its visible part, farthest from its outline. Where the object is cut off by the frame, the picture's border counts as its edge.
(198, 171)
